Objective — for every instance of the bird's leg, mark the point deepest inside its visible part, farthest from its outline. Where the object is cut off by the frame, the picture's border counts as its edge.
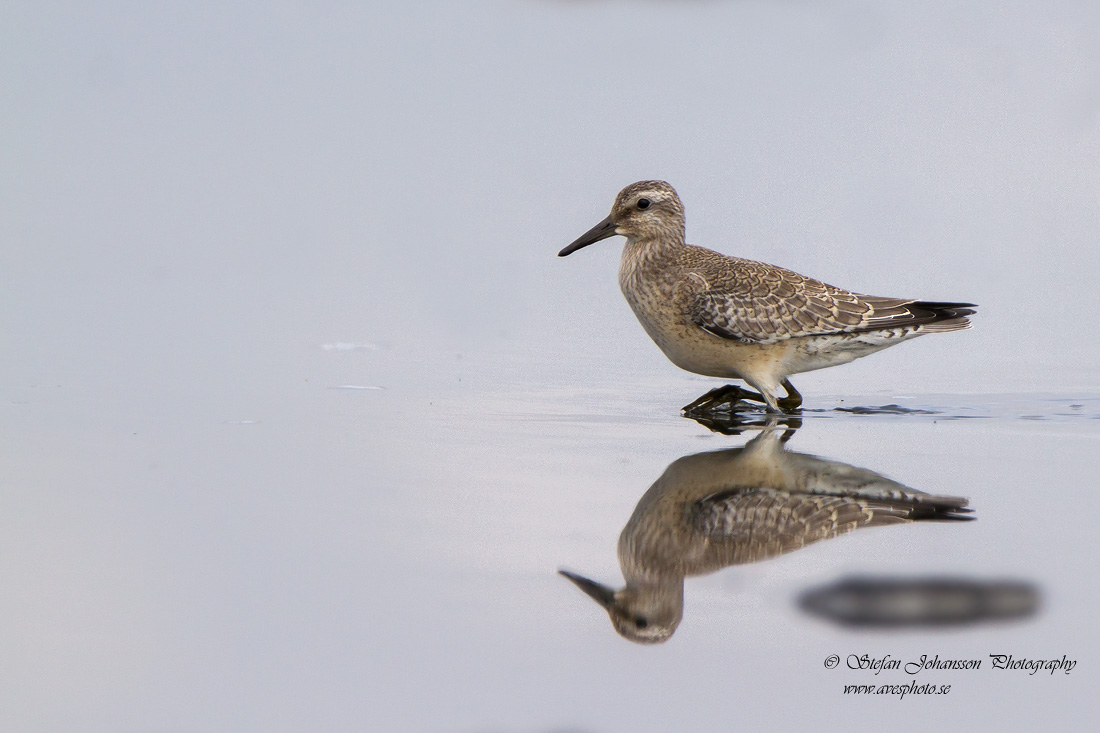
(762, 395)
(790, 424)
(793, 400)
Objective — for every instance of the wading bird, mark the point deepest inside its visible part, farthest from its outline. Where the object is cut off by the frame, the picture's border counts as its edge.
(733, 318)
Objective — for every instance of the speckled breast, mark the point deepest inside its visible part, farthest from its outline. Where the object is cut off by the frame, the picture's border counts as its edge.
(650, 287)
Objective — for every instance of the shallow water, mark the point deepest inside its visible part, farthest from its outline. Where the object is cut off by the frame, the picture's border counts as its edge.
(300, 415)
(349, 550)
(555, 490)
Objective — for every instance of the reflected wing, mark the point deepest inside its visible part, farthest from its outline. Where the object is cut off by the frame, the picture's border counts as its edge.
(760, 303)
(758, 523)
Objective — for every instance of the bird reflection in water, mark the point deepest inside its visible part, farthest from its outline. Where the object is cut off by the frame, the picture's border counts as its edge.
(711, 510)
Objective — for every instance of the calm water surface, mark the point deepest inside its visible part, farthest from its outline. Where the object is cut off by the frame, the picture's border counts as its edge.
(339, 553)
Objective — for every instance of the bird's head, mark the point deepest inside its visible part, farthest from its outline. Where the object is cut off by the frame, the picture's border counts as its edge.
(642, 210)
(647, 615)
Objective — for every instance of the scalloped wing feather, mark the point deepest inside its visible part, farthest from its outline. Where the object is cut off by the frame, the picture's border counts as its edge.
(757, 303)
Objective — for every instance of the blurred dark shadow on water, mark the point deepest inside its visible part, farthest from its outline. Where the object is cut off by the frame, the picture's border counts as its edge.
(897, 603)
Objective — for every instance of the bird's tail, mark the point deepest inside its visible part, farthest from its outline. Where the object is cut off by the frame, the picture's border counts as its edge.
(919, 507)
(944, 316)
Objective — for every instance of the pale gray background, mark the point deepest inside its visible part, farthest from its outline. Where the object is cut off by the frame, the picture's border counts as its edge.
(197, 533)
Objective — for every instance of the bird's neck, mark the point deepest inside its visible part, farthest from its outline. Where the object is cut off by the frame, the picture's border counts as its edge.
(644, 261)
(652, 246)
(663, 588)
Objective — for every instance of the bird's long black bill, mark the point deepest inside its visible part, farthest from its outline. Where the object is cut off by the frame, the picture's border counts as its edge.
(599, 593)
(603, 230)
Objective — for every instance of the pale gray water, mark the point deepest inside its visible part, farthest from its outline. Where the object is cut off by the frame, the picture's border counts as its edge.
(300, 415)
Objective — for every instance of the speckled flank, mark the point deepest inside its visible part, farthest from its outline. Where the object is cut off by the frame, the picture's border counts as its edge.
(734, 318)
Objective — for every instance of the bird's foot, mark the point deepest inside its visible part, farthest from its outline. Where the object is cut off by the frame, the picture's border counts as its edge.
(728, 394)
(792, 401)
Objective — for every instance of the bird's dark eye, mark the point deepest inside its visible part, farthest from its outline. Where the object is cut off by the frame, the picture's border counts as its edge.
(643, 203)
(640, 621)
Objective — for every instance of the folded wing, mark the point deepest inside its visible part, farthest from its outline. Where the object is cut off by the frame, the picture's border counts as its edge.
(761, 303)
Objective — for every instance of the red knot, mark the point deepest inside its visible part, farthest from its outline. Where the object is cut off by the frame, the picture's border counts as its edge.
(733, 318)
